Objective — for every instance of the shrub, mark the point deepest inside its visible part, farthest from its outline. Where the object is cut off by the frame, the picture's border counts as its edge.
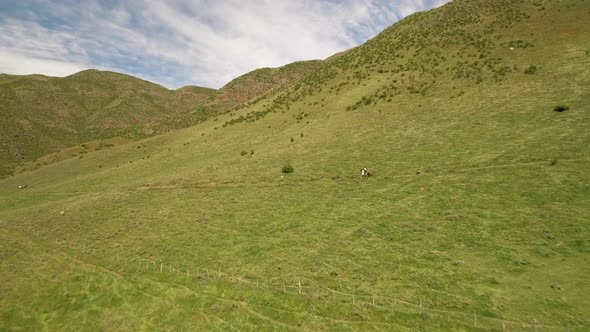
(288, 168)
(243, 153)
(560, 108)
(531, 70)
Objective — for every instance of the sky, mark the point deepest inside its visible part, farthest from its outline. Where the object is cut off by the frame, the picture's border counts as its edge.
(186, 42)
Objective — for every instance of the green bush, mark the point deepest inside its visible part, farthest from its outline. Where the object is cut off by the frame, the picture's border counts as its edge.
(560, 108)
(288, 168)
(531, 70)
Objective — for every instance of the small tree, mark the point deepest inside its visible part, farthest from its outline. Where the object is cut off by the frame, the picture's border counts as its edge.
(531, 70)
(288, 168)
(561, 108)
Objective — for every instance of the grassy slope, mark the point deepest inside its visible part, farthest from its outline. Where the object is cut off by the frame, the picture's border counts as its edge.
(492, 231)
(46, 118)
(264, 80)
(42, 114)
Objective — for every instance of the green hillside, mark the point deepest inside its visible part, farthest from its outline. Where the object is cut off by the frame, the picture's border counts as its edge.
(476, 217)
(41, 115)
(45, 119)
(264, 80)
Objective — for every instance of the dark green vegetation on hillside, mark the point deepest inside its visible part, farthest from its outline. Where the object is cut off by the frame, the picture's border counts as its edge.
(476, 218)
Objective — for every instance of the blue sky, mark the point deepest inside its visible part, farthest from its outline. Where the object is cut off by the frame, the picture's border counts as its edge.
(185, 42)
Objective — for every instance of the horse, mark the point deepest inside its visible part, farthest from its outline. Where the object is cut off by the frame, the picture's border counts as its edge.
(365, 173)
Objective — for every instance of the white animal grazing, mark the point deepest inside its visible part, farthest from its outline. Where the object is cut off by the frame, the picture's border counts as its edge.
(364, 172)
(22, 186)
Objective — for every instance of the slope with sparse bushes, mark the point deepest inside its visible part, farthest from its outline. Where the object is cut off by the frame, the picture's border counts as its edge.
(475, 218)
(45, 116)
(261, 81)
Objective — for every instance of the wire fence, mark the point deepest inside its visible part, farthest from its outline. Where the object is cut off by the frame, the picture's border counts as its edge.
(307, 288)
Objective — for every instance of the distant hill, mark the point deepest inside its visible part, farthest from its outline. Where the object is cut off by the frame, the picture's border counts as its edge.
(43, 115)
(260, 81)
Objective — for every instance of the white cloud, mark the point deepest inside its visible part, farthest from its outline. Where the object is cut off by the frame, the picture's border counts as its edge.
(20, 64)
(181, 42)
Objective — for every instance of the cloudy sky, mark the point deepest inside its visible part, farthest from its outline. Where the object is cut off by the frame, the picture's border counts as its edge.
(182, 42)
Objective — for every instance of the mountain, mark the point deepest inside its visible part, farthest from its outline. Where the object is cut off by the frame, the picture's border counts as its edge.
(473, 119)
(46, 118)
(461, 44)
(259, 82)
(45, 114)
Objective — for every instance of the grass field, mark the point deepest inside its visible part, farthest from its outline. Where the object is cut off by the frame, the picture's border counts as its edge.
(476, 218)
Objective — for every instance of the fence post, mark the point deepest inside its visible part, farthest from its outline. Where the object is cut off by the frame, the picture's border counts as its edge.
(420, 307)
(299, 286)
(161, 266)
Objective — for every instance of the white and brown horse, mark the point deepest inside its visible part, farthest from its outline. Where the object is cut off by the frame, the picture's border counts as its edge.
(365, 173)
